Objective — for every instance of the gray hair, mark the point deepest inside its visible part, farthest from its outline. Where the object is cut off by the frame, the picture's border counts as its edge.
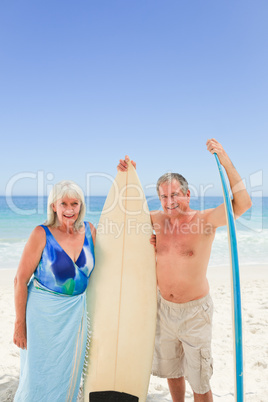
(65, 188)
(169, 177)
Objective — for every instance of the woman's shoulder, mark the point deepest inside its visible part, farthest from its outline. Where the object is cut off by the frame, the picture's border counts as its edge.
(37, 239)
(39, 230)
(39, 233)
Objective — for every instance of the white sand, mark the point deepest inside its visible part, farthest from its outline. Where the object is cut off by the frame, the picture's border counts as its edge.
(254, 283)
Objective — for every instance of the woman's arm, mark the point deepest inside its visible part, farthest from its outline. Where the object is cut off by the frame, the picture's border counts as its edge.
(30, 258)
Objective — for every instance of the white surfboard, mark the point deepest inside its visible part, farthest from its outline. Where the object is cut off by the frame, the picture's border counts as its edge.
(121, 297)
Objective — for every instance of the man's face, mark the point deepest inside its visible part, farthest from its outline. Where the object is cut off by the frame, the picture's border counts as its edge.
(172, 198)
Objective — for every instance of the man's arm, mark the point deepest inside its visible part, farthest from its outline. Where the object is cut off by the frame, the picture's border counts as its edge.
(241, 200)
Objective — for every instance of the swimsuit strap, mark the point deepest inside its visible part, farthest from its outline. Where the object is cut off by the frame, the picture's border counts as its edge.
(48, 233)
(89, 234)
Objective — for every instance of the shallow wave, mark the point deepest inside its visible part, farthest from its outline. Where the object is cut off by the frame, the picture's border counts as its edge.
(10, 252)
(252, 249)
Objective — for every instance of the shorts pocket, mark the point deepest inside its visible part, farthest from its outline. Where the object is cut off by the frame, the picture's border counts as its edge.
(206, 365)
(207, 311)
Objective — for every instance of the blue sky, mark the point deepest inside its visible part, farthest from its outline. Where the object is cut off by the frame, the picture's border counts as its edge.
(85, 82)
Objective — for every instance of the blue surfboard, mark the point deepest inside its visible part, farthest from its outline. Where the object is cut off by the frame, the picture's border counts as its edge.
(236, 292)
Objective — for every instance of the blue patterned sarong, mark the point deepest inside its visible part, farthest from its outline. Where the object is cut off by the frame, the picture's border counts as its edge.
(51, 367)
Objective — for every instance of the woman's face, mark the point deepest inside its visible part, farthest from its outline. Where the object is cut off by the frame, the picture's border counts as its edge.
(67, 210)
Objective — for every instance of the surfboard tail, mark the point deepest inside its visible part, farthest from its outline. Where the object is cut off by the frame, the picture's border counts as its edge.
(112, 396)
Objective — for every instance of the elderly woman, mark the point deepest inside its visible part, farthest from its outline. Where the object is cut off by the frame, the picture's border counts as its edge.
(50, 303)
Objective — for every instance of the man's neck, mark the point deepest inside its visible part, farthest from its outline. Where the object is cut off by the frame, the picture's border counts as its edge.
(182, 217)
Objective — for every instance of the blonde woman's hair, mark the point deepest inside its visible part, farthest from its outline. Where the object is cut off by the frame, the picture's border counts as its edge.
(65, 188)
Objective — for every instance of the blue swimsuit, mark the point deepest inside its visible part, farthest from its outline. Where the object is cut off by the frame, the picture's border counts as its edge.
(56, 270)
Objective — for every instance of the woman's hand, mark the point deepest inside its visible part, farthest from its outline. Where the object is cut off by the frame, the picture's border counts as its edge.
(20, 337)
(123, 164)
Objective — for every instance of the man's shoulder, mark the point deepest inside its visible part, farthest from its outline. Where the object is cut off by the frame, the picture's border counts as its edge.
(204, 212)
(158, 217)
(156, 214)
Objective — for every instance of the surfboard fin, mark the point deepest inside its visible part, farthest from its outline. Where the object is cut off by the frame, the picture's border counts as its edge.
(112, 396)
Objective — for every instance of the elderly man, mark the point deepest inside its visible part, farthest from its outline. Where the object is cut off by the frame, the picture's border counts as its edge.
(183, 244)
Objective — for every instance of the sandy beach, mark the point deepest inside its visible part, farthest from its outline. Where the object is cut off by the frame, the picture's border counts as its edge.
(254, 284)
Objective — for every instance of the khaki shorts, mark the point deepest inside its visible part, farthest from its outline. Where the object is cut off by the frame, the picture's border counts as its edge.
(183, 342)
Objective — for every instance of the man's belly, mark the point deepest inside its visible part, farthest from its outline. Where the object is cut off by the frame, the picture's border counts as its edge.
(183, 284)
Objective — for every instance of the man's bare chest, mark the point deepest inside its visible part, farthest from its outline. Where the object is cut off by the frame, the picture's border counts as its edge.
(183, 239)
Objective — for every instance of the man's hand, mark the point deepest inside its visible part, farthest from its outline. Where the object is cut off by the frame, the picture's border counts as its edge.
(214, 146)
(122, 166)
(153, 240)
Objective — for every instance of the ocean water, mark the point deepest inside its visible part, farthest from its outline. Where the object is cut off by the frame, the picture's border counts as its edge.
(19, 216)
